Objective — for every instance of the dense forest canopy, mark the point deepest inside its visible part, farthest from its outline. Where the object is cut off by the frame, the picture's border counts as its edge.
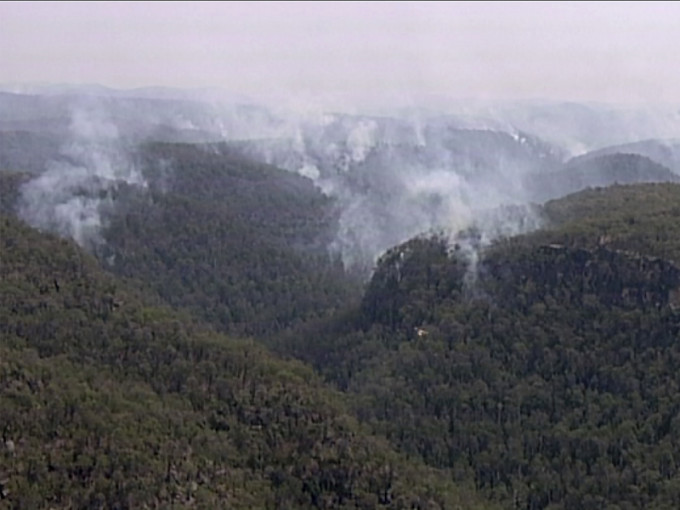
(110, 400)
(349, 312)
(241, 244)
(550, 377)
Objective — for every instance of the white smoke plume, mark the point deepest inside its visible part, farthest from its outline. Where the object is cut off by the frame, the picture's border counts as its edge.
(71, 196)
(393, 174)
(395, 178)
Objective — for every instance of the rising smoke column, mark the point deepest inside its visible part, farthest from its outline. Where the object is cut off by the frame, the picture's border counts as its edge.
(393, 179)
(74, 192)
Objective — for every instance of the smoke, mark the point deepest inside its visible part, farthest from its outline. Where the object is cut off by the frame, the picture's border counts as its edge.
(361, 140)
(395, 178)
(73, 194)
(392, 176)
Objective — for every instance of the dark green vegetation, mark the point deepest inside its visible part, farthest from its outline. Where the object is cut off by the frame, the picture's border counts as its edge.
(239, 244)
(641, 219)
(545, 375)
(110, 401)
(549, 375)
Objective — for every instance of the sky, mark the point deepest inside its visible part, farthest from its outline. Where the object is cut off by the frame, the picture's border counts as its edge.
(355, 51)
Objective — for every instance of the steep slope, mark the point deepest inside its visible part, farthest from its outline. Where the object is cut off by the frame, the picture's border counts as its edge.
(547, 372)
(241, 244)
(108, 401)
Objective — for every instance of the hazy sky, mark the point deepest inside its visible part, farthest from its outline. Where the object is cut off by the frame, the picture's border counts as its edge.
(608, 51)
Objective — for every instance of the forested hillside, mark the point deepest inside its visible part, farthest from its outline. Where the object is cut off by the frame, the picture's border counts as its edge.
(547, 372)
(470, 367)
(240, 244)
(110, 401)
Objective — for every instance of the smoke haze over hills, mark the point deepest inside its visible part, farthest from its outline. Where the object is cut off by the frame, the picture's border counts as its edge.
(413, 117)
(458, 223)
(391, 177)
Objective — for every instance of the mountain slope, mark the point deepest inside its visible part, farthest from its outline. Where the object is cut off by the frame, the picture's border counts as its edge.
(599, 171)
(640, 218)
(665, 152)
(108, 401)
(547, 372)
(241, 244)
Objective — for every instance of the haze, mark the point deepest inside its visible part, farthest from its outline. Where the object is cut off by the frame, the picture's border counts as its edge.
(355, 52)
